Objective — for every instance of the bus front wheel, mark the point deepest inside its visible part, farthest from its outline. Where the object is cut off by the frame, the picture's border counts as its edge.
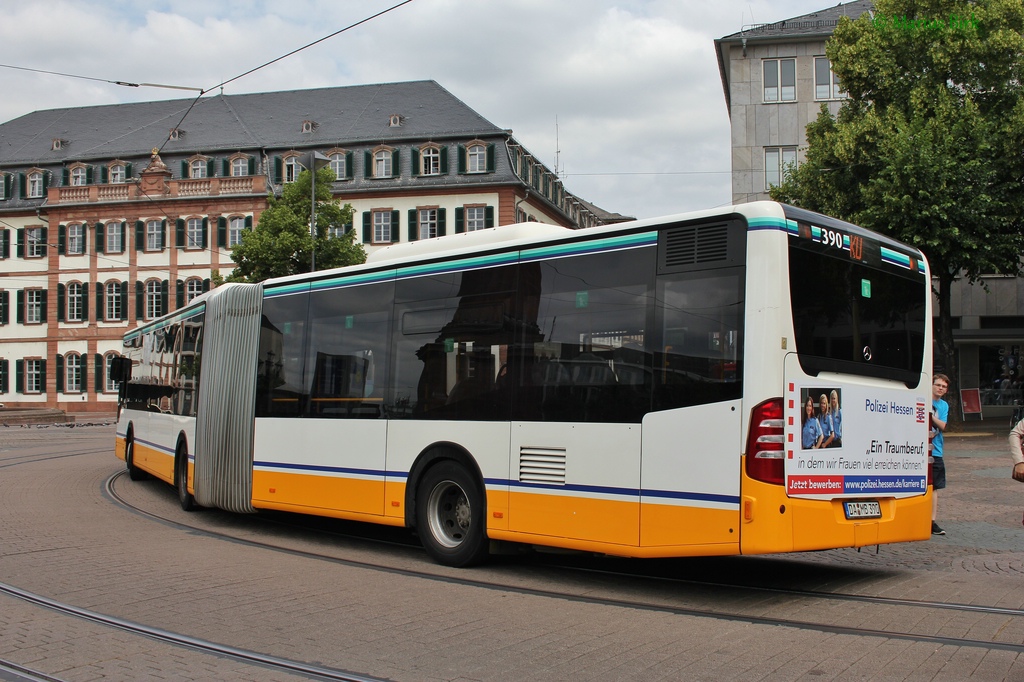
(134, 472)
(450, 516)
(188, 502)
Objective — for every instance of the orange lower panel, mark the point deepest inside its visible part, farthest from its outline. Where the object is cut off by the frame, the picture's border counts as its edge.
(679, 525)
(614, 549)
(119, 448)
(281, 490)
(771, 522)
(575, 518)
(156, 462)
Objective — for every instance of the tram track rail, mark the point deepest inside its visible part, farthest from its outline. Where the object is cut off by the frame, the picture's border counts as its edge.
(732, 590)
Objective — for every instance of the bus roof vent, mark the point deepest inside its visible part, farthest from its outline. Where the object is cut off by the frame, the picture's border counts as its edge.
(700, 246)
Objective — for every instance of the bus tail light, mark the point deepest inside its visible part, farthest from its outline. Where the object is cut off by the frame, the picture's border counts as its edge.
(766, 443)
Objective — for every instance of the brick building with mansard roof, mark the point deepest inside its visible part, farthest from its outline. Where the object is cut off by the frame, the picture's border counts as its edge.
(113, 215)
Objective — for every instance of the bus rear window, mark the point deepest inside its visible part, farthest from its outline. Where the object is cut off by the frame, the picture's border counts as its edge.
(856, 317)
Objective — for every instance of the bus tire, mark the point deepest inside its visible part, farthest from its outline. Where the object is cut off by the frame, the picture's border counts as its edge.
(188, 502)
(134, 472)
(450, 515)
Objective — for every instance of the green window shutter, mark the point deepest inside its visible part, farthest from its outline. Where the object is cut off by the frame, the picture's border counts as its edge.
(140, 235)
(222, 232)
(5, 301)
(206, 230)
(415, 162)
(248, 222)
(19, 376)
(101, 239)
(164, 296)
(367, 165)
(60, 372)
(103, 174)
(42, 312)
(4, 369)
(124, 300)
(441, 221)
(19, 316)
(124, 235)
(206, 285)
(489, 216)
(394, 226)
(98, 368)
(367, 227)
(85, 301)
(252, 166)
(42, 375)
(179, 233)
(225, 167)
(5, 243)
(46, 185)
(45, 232)
(65, 177)
(140, 300)
(278, 170)
(21, 243)
(179, 294)
(462, 160)
(62, 233)
(396, 164)
(460, 220)
(184, 169)
(490, 158)
(211, 168)
(100, 310)
(444, 160)
(84, 371)
(22, 186)
(348, 165)
(61, 292)
(88, 175)
(127, 170)
(414, 232)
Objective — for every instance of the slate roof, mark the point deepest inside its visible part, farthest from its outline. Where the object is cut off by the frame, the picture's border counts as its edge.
(342, 116)
(814, 24)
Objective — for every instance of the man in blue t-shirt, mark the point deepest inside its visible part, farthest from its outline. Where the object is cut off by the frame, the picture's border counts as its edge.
(940, 415)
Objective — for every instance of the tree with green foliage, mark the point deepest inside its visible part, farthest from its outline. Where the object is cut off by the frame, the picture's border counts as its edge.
(927, 148)
(281, 243)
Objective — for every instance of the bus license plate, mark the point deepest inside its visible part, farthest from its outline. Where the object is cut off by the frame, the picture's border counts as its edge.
(863, 510)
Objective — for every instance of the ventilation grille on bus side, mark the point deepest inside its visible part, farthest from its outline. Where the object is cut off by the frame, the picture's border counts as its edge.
(542, 465)
(695, 244)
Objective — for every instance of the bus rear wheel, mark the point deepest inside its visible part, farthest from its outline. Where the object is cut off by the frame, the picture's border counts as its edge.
(134, 472)
(188, 502)
(450, 516)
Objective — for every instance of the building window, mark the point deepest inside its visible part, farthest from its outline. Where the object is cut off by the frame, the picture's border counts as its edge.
(154, 235)
(235, 227)
(35, 185)
(34, 376)
(338, 166)
(72, 373)
(112, 312)
(117, 174)
(382, 164)
(35, 245)
(3, 186)
(292, 167)
(109, 385)
(193, 288)
(381, 227)
(153, 308)
(76, 240)
(34, 301)
(239, 167)
(197, 169)
(336, 231)
(427, 223)
(477, 159)
(195, 233)
(826, 83)
(113, 238)
(476, 218)
(74, 302)
(431, 159)
(778, 162)
(779, 80)
(79, 176)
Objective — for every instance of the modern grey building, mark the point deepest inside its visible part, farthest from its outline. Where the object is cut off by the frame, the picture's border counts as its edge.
(776, 77)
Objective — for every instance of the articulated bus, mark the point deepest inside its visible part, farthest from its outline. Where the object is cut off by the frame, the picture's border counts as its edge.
(656, 388)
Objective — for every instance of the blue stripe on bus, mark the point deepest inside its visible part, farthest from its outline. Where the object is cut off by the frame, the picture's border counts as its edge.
(325, 469)
(627, 492)
(155, 446)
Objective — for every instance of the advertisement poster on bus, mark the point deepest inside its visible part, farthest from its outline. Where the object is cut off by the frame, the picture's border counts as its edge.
(855, 441)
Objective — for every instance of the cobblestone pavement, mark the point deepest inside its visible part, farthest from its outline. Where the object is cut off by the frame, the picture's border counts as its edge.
(61, 537)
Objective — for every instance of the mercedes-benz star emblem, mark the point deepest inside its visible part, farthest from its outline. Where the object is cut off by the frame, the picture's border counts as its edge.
(867, 353)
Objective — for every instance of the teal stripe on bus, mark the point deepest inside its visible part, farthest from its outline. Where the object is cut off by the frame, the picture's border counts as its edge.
(352, 280)
(577, 248)
(460, 264)
(166, 322)
(896, 258)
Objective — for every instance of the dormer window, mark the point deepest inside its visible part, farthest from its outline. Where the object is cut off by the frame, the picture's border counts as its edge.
(430, 160)
(395, 121)
(292, 168)
(117, 173)
(79, 176)
(56, 144)
(197, 168)
(176, 134)
(309, 126)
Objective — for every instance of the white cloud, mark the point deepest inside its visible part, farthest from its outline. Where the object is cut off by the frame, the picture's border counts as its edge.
(634, 84)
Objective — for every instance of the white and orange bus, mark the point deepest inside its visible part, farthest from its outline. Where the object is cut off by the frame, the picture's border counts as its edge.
(752, 379)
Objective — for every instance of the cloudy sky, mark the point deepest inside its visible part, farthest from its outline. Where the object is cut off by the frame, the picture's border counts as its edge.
(624, 95)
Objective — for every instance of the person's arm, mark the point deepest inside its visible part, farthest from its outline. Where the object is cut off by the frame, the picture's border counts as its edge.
(1016, 434)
